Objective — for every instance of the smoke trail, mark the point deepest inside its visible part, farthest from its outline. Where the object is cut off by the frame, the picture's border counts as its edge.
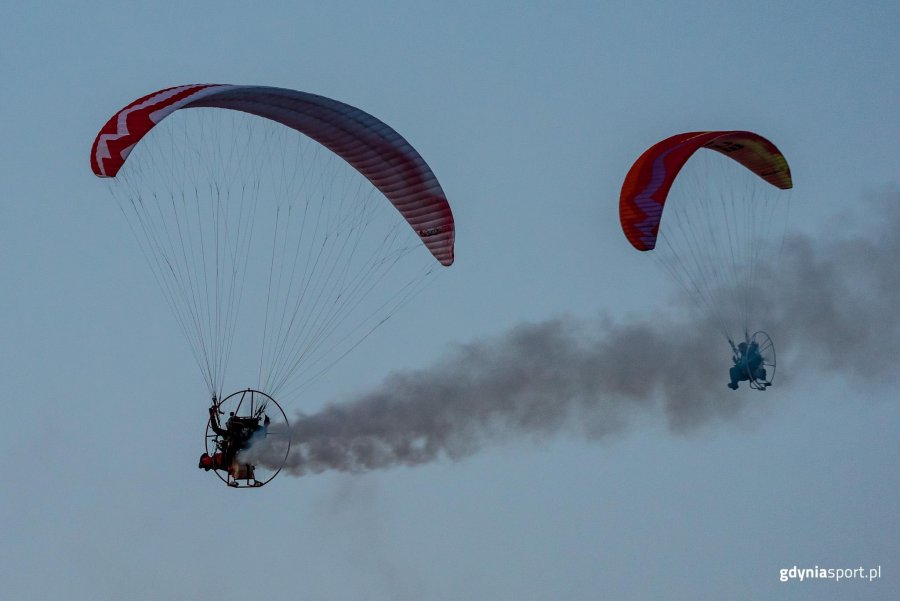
(838, 295)
(832, 303)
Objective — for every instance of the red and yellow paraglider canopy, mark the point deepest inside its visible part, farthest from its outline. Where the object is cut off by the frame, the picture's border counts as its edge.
(648, 181)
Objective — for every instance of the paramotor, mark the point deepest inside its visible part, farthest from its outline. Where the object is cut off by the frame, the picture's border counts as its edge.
(280, 226)
(721, 225)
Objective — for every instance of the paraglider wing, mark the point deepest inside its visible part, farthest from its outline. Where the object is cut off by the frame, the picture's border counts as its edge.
(382, 155)
(648, 181)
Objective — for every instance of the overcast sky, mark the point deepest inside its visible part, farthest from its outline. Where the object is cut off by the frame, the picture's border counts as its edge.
(530, 115)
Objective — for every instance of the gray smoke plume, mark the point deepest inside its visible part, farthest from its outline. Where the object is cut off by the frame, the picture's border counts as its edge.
(831, 305)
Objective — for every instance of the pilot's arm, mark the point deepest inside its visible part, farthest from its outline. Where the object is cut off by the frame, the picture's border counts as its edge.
(214, 422)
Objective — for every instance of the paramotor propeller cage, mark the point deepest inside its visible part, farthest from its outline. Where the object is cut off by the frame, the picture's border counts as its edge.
(260, 420)
(761, 377)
